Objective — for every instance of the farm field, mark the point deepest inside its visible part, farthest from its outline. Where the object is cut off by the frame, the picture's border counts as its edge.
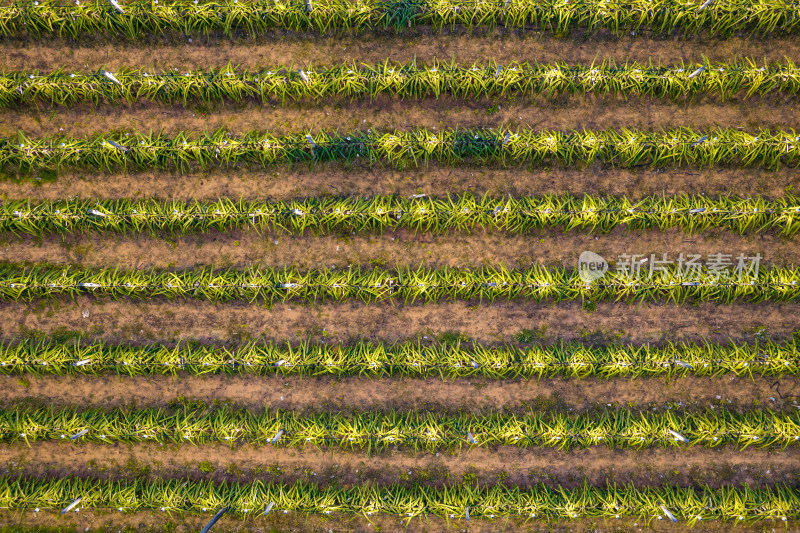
(430, 266)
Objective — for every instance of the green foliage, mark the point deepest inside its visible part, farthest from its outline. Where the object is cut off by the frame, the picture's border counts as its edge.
(207, 467)
(451, 337)
(542, 502)
(417, 430)
(527, 336)
(405, 359)
(180, 402)
(405, 80)
(423, 284)
(141, 18)
(403, 148)
(692, 213)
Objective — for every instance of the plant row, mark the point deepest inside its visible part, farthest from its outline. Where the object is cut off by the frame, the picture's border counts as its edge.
(672, 284)
(405, 80)
(626, 148)
(376, 431)
(458, 502)
(693, 213)
(139, 18)
(405, 359)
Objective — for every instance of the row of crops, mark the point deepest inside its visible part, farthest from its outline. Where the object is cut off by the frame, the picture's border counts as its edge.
(420, 431)
(692, 213)
(624, 148)
(49, 438)
(403, 359)
(672, 283)
(231, 17)
(251, 500)
(409, 80)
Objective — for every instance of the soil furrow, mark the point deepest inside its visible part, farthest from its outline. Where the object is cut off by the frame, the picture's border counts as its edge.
(354, 394)
(149, 521)
(393, 113)
(302, 181)
(509, 465)
(424, 45)
(171, 321)
(86, 318)
(242, 249)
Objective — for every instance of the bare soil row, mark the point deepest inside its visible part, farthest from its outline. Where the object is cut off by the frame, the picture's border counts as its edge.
(424, 45)
(598, 466)
(354, 394)
(150, 521)
(172, 321)
(304, 181)
(385, 113)
(241, 249)
(229, 324)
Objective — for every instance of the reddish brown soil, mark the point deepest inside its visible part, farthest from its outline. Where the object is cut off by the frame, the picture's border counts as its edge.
(151, 521)
(129, 321)
(425, 45)
(243, 249)
(392, 113)
(232, 323)
(523, 467)
(353, 394)
(302, 181)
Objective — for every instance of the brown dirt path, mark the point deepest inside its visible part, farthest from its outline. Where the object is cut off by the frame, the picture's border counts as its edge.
(520, 467)
(151, 521)
(245, 248)
(354, 394)
(424, 45)
(335, 180)
(392, 113)
(165, 321)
